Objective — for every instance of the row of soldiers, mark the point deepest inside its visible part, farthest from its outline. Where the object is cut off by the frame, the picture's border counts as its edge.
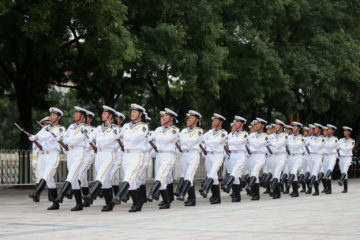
(282, 154)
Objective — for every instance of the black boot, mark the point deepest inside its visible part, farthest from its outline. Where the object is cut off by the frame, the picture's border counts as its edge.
(108, 195)
(277, 193)
(262, 180)
(236, 190)
(142, 193)
(121, 196)
(115, 189)
(65, 188)
(217, 195)
(295, 189)
(345, 186)
(306, 177)
(324, 182)
(283, 178)
(287, 189)
(165, 196)
(312, 181)
(179, 187)
(267, 179)
(256, 192)
(55, 205)
(316, 187)
(320, 176)
(153, 190)
(100, 194)
(68, 194)
(170, 189)
(185, 188)
(329, 190)
(342, 179)
(192, 197)
(301, 178)
(89, 198)
(227, 185)
(49, 196)
(267, 191)
(328, 174)
(290, 180)
(274, 184)
(134, 194)
(303, 187)
(78, 199)
(225, 179)
(157, 195)
(85, 191)
(207, 185)
(35, 195)
(251, 184)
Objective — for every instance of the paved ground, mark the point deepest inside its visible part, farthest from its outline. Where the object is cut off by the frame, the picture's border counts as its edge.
(333, 216)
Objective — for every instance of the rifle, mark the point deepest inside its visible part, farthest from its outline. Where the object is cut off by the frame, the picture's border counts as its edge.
(287, 150)
(247, 149)
(227, 150)
(268, 148)
(29, 135)
(153, 145)
(203, 149)
(84, 131)
(54, 135)
(120, 143)
(307, 149)
(179, 147)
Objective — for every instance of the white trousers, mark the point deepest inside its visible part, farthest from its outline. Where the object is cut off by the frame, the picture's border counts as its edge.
(213, 163)
(278, 164)
(329, 162)
(36, 164)
(50, 164)
(89, 158)
(104, 161)
(256, 162)
(76, 159)
(345, 163)
(190, 162)
(115, 171)
(237, 161)
(315, 164)
(163, 165)
(142, 174)
(294, 163)
(132, 162)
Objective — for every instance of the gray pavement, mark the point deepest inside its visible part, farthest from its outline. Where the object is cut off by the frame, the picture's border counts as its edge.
(333, 216)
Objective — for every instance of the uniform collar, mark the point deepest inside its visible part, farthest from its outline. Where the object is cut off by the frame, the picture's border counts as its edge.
(132, 125)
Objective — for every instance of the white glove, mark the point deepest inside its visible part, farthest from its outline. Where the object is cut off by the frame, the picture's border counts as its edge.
(32, 138)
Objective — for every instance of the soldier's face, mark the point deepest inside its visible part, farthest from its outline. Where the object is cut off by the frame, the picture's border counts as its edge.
(311, 131)
(325, 132)
(238, 124)
(277, 127)
(258, 126)
(77, 116)
(54, 117)
(191, 121)
(104, 116)
(119, 120)
(296, 129)
(215, 123)
(317, 131)
(306, 133)
(346, 133)
(135, 115)
(288, 131)
(88, 120)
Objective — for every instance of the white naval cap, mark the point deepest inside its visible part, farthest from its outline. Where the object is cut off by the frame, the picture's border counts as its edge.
(325, 128)
(45, 119)
(239, 118)
(147, 118)
(300, 125)
(80, 109)
(193, 113)
(120, 115)
(347, 128)
(91, 114)
(278, 121)
(162, 113)
(108, 109)
(268, 126)
(218, 116)
(318, 125)
(253, 122)
(261, 120)
(311, 126)
(56, 110)
(272, 125)
(331, 126)
(170, 112)
(137, 107)
(289, 127)
(306, 129)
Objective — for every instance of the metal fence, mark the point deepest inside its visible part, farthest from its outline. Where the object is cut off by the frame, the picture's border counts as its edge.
(16, 168)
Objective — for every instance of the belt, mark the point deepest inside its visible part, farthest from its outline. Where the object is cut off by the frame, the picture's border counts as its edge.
(132, 151)
(315, 153)
(257, 152)
(100, 149)
(50, 152)
(165, 151)
(75, 147)
(237, 151)
(295, 154)
(278, 153)
(213, 152)
(329, 154)
(189, 151)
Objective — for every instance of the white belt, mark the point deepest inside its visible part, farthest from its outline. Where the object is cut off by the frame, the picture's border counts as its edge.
(75, 147)
(236, 151)
(315, 154)
(295, 154)
(50, 152)
(278, 153)
(100, 149)
(257, 152)
(165, 151)
(132, 151)
(190, 150)
(329, 154)
(213, 152)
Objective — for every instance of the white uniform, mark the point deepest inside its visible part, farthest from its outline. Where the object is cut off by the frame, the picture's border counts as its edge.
(278, 149)
(147, 162)
(135, 148)
(296, 148)
(345, 147)
(306, 158)
(190, 158)
(115, 171)
(237, 145)
(88, 160)
(165, 139)
(75, 139)
(329, 154)
(214, 141)
(268, 158)
(316, 148)
(257, 143)
(36, 162)
(105, 138)
(51, 156)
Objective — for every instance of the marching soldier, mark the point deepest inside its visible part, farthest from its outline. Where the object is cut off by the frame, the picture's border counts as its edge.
(267, 175)
(295, 148)
(315, 148)
(105, 136)
(257, 142)
(115, 171)
(214, 141)
(89, 158)
(165, 138)
(329, 158)
(285, 173)
(51, 156)
(75, 139)
(345, 148)
(135, 147)
(237, 148)
(190, 138)
(277, 148)
(307, 159)
(303, 166)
